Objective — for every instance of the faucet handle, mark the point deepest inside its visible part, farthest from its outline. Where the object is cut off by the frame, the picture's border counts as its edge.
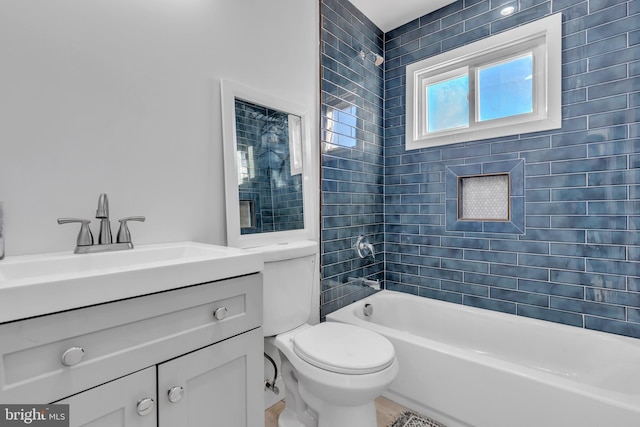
(364, 248)
(124, 236)
(85, 238)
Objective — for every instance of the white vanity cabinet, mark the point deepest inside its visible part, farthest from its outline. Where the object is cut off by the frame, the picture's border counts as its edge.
(184, 357)
(212, 386)
(129, 401)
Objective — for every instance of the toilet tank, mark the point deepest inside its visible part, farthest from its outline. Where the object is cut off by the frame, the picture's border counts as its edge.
(288, 277)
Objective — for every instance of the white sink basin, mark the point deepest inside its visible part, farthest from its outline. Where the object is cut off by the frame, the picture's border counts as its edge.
(33, 285)
(44, 266)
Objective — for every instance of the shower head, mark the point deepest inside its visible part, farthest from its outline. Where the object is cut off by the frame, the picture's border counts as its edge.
(377, 59)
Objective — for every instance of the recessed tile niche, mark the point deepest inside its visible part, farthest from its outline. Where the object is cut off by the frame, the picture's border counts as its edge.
(483, 198)
(486, 197)
(247, 214)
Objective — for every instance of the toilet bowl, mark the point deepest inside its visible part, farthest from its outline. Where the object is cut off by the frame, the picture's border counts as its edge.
(338, 371)
(332, 372)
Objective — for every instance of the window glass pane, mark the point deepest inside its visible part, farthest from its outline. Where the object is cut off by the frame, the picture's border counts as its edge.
(506, 89)
(448, 104)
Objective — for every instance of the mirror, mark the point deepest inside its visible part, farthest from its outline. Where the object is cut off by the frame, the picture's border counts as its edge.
(265, 142)
(269, 185)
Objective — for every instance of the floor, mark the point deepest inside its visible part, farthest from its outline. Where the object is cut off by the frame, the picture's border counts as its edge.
(386, 410)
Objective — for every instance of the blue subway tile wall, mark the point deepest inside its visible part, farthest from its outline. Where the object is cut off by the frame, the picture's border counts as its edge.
(578, 261)
(352, 153)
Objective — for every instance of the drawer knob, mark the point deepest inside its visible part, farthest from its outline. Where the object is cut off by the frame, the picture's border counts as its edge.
(145, 406)
(175, 394)
(72, 356)
(220, 313)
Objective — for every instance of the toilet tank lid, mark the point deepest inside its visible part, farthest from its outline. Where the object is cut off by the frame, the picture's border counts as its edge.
(289, 250)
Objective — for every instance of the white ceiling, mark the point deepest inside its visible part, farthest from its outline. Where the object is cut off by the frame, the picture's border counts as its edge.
(390, 14)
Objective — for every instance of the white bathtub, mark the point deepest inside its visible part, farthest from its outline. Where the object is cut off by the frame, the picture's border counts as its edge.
(465, 366)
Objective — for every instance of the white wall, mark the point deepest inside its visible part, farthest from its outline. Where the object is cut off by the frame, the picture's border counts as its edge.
(122, 97)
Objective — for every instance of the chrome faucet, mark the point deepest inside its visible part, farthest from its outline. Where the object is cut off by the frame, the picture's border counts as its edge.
(104, 238)
(85, 244)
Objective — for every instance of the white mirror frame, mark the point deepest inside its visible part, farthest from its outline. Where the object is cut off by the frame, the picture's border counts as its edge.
(230, 91)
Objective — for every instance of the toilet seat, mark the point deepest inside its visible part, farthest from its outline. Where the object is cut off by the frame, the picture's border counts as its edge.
(343, 348)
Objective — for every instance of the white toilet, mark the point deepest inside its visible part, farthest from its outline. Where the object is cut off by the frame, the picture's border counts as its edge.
(332, 372)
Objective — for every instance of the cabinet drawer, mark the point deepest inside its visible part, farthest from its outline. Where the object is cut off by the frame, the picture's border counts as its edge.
(111, 340)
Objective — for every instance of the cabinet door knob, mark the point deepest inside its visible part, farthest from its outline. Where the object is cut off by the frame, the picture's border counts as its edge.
(145, 406)
(220, 313)
(175, 394)
(72, 356)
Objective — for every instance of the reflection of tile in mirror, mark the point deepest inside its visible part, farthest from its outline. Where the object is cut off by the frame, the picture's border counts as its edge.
(246, 215)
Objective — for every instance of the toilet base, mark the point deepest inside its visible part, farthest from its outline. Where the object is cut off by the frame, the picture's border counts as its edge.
(289, 419)
(296, 412)
(304, 409)
(331, 415)
(362, 416)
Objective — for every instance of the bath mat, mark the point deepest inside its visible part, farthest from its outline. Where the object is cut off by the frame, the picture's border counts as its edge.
(411, 419)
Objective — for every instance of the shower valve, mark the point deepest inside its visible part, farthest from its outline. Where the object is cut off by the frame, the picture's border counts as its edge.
(364, 248)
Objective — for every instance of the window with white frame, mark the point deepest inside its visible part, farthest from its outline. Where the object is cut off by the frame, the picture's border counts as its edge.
(506, 84)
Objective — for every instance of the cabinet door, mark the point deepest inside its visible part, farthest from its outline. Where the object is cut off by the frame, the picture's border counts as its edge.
(219, 385)
(117, 403)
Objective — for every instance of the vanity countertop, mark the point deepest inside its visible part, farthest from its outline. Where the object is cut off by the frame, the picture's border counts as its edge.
(35, 285)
